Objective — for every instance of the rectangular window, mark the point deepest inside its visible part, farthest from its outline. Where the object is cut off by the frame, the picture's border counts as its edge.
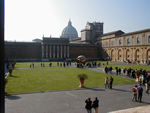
(149, 39)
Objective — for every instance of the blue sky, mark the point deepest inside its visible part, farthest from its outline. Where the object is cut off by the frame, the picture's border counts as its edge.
(29, 19)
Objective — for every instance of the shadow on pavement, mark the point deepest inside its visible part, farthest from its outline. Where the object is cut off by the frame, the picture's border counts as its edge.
(12, 97)
(145, 102)
(121, 90)
(94, 89)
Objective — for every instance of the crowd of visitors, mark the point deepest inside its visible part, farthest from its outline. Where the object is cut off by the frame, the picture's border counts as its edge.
(141, 76)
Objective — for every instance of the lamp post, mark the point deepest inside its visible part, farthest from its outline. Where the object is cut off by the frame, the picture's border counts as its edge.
(2, 78)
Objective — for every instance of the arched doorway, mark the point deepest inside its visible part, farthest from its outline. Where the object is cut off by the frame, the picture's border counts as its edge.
(120, 55)
(148, 55)
(128, 55)
(112, 55)
(137, 55)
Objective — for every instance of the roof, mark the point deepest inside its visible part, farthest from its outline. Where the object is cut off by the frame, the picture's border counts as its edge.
(55, 40)
(136, 32)
(118, 32)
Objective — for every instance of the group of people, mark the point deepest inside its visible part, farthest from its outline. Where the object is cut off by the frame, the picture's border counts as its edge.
(137, 93)
(108, 69)
(89, 105)
(32, 65)
(64, 64)
(109, 82)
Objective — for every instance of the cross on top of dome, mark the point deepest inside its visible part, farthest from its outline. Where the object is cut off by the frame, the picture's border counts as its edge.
(69, 23)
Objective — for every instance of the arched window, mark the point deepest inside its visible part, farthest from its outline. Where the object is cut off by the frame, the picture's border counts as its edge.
(128, 41)
(138, 40)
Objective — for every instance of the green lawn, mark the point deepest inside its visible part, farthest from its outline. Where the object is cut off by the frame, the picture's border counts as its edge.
(50, 79)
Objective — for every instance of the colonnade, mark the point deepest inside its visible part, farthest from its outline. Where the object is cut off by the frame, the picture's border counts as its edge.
(55, 51)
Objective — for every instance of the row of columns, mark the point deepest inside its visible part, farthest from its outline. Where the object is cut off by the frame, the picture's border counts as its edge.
(55, 51)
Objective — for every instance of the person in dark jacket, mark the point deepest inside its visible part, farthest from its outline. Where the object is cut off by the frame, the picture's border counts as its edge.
(95, 104)
(88, 105)
(140, 93)
(111, 82)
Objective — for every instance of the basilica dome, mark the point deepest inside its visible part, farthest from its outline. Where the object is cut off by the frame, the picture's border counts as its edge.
(69, 32)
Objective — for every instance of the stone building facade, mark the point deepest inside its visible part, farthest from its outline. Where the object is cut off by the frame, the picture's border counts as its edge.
(115, 46)
(68, 46)
(49, 49)
(120, 46)
(91, 32)
(22, 50)
(55, 48)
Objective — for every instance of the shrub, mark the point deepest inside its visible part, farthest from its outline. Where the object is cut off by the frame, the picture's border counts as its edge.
(82, 76)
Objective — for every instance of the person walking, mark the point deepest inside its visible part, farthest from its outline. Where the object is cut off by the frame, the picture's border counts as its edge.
(95, 104)
(106, 82)
(88, 105)
(140, 93)
(134, 90)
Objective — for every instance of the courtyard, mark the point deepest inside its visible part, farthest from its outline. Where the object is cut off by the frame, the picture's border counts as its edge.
(55, 90)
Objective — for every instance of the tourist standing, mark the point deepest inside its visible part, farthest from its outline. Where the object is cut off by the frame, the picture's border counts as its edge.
(140, 93)
(111, 82)
(106, 69)
(88, 105)
(134, 90)
(106, 82)
(95, 104)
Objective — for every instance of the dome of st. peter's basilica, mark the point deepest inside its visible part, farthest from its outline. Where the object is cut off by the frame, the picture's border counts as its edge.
(69, 32)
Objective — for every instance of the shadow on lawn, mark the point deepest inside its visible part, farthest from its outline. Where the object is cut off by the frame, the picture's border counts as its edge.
(12, 97)
(14, 76)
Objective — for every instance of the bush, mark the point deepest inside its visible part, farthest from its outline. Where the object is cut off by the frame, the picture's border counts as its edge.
(82, 76)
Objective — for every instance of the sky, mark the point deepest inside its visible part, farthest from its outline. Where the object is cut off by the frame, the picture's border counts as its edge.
(26, 20)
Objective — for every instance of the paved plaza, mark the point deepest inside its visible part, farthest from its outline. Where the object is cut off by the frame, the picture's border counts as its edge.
(73, 101)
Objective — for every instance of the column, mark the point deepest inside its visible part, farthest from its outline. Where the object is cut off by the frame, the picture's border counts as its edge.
(61, 54)
(42, 51)
(68, 51)
(64, 51)
(57, 51)
(53, 51)
(47, 51)
(132, 54)
(46, 47)
(50, 51)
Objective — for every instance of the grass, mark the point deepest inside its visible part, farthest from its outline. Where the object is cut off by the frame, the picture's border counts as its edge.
(50, 79)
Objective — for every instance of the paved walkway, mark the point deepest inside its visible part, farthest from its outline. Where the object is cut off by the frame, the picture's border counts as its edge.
(141, 109)
(72, 101)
